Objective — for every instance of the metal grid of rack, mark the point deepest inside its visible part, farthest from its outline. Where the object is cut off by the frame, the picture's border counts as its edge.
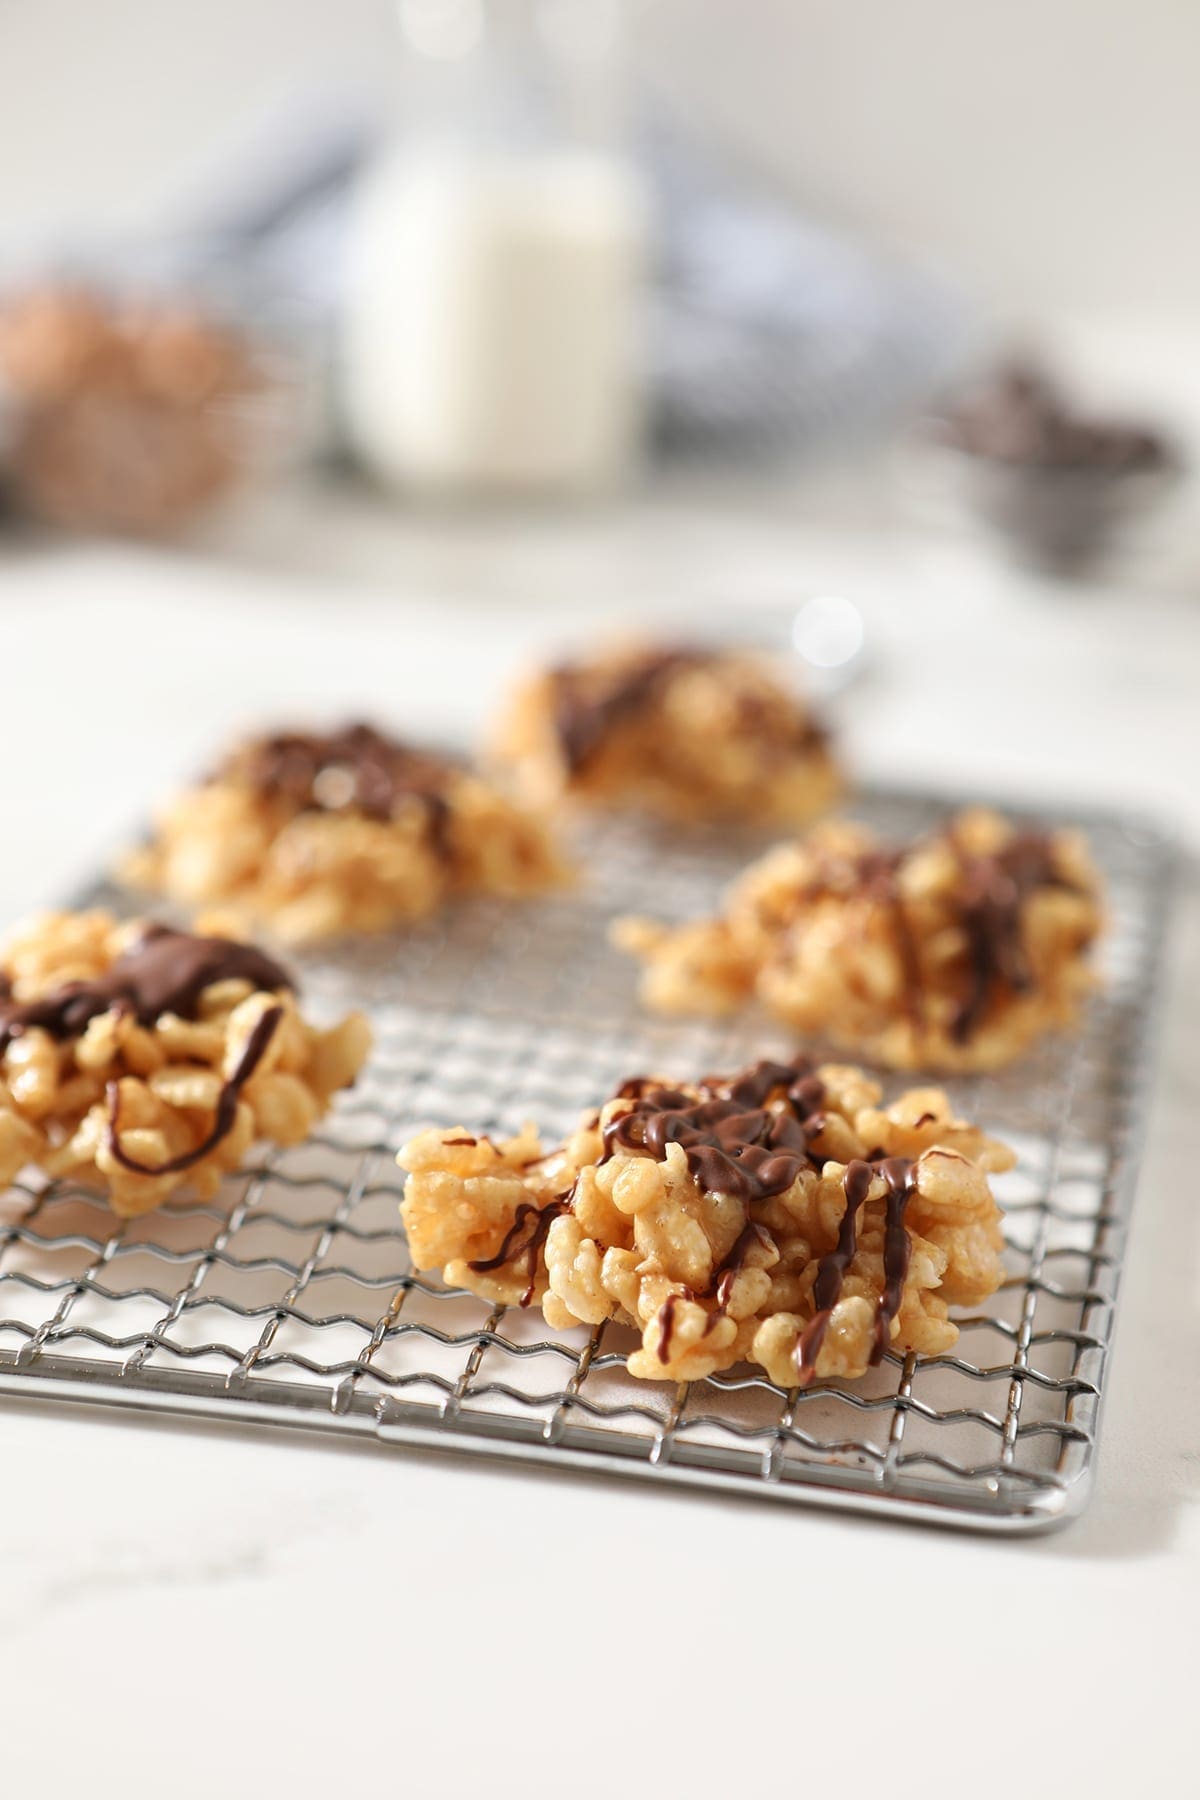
(291, 1299)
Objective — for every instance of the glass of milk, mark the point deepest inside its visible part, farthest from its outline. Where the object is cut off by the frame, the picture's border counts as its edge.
(490, 338)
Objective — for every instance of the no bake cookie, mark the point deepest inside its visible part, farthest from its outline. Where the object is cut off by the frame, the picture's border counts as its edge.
(680, 732)
(135, 1059)
(323, 834)
(954, 952)
(780, 1217)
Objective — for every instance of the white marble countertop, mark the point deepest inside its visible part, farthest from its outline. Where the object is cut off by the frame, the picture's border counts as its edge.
(242, 1613)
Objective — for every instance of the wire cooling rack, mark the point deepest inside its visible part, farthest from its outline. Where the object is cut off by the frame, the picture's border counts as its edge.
(291, 1300)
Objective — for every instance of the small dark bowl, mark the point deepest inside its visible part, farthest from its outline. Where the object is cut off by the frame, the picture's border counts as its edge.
(1069, 520)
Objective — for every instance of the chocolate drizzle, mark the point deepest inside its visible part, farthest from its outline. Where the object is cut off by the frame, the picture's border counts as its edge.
(900, 1178)
(356, 770)
(164, 971)
(588, 704)
(879, 873)
(733, 1264)
(899, 1174)
(990, 908)
(666, 1325)
(518, 1242)
(995, 890)
(722, 1285)
(733, 1142)
(224, 1116)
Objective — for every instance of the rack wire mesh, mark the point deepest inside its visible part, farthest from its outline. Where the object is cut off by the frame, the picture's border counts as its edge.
(291, 1299)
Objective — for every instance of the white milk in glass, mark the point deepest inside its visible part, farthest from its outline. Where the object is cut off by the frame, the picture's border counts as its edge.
(491, 332)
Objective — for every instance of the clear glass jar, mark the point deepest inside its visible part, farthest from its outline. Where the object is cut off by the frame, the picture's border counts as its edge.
(496, 268)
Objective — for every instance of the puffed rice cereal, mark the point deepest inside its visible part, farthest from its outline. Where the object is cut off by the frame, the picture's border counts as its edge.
(135, 1059)
(780, 1217)
(954, 952)
(683, 733)
(323, 835)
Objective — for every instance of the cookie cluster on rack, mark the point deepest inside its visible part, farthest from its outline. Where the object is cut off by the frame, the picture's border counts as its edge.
(953, 952)
(779, 1216)
(137, 1058)
(677, 732)
(327, 834)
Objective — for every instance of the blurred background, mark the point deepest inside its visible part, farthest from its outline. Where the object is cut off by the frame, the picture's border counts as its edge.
(355, 354)
(351, 355)
(1041, 149)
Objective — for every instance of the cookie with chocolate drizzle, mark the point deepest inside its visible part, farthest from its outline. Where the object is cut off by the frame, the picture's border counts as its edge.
(326, 833)
(134, 1057)
(779, 1216)
(680, 731)
(953, 952)
(354, 770)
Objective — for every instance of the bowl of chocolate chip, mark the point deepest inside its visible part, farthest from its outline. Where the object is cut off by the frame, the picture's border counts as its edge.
(1051, 484)
(129, 416)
